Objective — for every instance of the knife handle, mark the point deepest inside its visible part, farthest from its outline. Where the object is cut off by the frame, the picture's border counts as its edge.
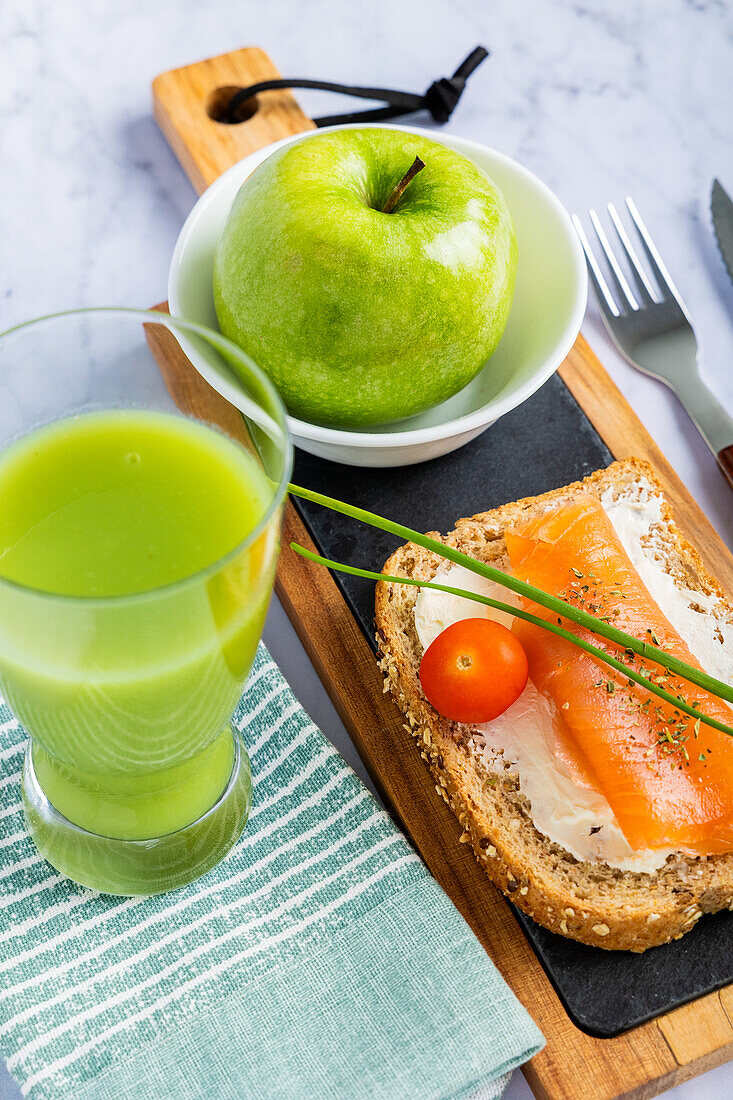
(725, 461)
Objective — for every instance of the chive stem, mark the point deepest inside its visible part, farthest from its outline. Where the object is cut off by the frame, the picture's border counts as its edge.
(527, 616)
(537, 595)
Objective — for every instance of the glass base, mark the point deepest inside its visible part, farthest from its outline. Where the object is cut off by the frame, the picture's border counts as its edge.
(129, 867)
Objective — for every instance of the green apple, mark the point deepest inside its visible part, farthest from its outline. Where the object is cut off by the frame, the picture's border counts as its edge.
(366, 296)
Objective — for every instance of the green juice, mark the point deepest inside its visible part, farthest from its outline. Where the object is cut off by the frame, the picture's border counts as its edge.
(133, 617)
(116, 503)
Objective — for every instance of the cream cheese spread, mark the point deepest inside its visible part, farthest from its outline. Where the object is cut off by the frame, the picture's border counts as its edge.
(576, 817)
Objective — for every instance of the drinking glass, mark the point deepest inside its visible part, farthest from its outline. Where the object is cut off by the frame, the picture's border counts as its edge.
(135, 781)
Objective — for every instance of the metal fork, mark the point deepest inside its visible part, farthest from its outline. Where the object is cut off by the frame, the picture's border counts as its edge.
(650, 326)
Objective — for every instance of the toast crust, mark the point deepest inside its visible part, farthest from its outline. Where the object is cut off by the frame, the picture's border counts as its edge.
(589, 901)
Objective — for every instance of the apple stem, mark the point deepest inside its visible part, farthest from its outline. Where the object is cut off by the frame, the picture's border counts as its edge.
(416, 166)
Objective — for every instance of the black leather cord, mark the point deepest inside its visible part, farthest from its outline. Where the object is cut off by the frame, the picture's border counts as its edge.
(440, 99)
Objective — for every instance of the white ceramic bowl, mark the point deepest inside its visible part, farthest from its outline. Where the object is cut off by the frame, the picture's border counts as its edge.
(548, 307)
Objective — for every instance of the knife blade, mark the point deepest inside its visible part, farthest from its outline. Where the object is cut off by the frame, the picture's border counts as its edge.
(721, 208)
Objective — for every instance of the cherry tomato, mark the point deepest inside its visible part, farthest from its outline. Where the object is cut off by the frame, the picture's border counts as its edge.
(474, 670)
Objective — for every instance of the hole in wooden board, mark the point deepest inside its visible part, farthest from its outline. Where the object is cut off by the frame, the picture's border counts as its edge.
(219, 106)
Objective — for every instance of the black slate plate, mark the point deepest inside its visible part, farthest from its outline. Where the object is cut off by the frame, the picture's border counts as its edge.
(547, 443)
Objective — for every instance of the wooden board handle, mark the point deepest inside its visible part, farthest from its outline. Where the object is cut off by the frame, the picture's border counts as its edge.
(186, 103)
(725, 461)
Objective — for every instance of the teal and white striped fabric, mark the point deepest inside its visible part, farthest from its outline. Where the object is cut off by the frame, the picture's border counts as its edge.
(319, 960)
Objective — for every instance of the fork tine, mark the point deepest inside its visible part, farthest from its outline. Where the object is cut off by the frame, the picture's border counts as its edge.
(663, 277)
(642, 279)
(627, 295)
(600, 286)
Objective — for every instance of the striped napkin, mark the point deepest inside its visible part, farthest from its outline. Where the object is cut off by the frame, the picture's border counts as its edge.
(319, 960)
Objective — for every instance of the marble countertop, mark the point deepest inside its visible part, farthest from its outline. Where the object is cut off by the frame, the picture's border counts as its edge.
(599, 98)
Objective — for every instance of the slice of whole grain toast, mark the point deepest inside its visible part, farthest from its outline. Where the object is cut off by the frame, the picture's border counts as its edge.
(589, 901)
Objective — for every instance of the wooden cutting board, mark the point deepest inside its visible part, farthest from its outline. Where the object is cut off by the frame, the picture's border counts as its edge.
(574, 1065)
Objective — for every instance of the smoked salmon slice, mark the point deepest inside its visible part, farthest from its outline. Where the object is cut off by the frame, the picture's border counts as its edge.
(667, 777)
